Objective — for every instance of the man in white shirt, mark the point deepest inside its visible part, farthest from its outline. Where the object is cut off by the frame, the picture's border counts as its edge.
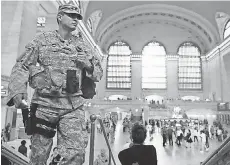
(203, 140)
(219, 134)
(179, 135)
(195, 134)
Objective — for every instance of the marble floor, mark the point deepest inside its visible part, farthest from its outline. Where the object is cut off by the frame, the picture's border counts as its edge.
(170, 154)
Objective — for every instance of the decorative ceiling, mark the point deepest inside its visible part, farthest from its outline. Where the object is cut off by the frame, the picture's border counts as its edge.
(139, 22)
(170, 22)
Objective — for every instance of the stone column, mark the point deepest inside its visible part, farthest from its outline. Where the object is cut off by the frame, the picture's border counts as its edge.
(146, 113)
(205, 79)
(20, 23)
(20, 18)
(28, 23)
(11, 27)
(172, 76)
(28, 29)
(136, 89)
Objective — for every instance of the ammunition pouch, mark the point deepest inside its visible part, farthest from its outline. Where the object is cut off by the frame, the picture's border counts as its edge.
(36, 125)
(88, 86)
(72, 82)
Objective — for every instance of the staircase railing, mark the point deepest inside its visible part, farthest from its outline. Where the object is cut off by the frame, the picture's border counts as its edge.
(220, 151)
(18, 159)
(92, 139)
(13, 156)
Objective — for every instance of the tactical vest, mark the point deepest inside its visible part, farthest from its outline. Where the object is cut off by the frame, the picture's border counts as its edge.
(56, 73)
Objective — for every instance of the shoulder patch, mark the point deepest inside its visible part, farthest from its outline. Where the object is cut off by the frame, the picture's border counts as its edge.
(49, 33)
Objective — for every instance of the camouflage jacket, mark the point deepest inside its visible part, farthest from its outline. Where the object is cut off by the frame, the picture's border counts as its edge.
(44, 66)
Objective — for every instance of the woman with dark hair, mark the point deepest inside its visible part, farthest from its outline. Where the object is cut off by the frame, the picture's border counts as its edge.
(188, 139)
(138, 153)
(22, 148)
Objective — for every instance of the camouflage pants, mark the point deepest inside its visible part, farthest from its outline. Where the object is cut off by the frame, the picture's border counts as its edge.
(72, 138)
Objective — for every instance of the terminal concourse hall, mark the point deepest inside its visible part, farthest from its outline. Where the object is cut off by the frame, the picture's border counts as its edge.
(166, 66)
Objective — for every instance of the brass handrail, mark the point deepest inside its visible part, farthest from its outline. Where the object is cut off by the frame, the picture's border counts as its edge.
(216, 151)
(106, 139)
(18, 158)
(92, 138)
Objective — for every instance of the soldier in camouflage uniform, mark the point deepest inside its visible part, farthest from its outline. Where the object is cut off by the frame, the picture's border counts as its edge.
(50, 60)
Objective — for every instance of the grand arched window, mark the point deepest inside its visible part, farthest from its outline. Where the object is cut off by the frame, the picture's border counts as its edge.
(189, 67)
(227, 29)
(154, 66)
(119, 66)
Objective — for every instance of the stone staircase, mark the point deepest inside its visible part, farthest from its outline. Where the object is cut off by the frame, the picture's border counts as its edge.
(221, 156)
(14, 157)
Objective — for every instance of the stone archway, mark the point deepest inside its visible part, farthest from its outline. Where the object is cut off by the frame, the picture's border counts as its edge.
(159, 12)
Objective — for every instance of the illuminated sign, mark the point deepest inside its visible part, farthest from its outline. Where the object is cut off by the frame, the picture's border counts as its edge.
(223, 106)
(41, 21)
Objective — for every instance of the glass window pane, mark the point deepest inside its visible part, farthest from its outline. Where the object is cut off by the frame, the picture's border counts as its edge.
(119, 66)
(189, 67)
(154, 66)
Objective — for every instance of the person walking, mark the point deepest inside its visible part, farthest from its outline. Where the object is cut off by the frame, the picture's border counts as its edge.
(170, 135)
(207, 138)
(158, 126)
(7, 132)
(203, 141)
(164, 135)
(212, 132)
(62, 69)
(112, 134)
(189, 139)
(179, 135)
(195, 134)
(102, 158)
(220, 134)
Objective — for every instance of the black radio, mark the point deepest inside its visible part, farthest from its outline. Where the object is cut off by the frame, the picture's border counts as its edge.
(29, 118)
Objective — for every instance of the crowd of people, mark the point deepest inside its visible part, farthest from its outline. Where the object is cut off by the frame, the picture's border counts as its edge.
(184, 135)
(126, 124)
(109, 124)
(137, 153)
